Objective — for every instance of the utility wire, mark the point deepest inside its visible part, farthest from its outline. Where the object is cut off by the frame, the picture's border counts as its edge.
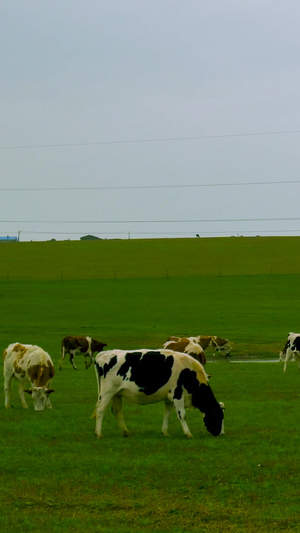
(121, 187)
(146, 221)
(133, 141)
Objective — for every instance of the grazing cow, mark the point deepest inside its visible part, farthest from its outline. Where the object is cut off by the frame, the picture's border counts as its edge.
(217, 343)
(187, 346)
(221, 345)
(28, 364)
(80, 345)
(150, 376)
(291, 350)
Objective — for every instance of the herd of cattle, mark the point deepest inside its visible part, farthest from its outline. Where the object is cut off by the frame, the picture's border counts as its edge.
(173, 374)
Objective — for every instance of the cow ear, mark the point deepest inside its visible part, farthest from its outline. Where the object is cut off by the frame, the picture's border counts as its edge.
(29, 391)
(48, 391)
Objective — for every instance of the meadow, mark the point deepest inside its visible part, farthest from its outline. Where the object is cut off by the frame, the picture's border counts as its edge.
(55, 476)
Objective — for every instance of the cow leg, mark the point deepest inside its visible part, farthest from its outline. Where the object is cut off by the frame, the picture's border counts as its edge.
(48, 403)
(7, 391)
(117, 410)
(21, 393)
(88, 361)
(62, 358)
(288, 356)
(167, 412)
(180, 411)
(101, 407)
(72, 357)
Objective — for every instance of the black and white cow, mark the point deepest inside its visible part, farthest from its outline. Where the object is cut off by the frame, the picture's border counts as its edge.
(150, 376)
(291, 350)
(86, 346)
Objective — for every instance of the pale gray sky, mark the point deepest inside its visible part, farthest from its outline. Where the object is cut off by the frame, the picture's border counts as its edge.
(149, 117)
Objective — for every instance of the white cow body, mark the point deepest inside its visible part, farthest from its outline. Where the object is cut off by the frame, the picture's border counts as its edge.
(150, 376)
(28, 364)
(291, 350)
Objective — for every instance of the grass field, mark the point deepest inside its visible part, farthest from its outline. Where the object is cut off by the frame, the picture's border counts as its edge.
(149, 258)
(55, 476)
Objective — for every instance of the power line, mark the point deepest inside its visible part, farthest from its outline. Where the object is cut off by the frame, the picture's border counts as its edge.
(148, 221)
(158, 140)
(121, 187)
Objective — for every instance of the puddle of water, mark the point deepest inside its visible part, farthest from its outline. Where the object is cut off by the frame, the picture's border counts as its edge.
(251, 361)
(257, 361)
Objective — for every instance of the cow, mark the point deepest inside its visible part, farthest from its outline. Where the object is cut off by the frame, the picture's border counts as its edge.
(80, 345)
(28, 364)
(217, 343)
(221, 345)
(291, 350)
(149, 376)
(187, 346)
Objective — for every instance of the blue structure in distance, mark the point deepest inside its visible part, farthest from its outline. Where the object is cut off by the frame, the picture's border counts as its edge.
(9, 239)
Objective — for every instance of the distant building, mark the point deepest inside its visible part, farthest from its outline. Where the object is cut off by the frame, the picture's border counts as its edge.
(9, 239)
(90, 238)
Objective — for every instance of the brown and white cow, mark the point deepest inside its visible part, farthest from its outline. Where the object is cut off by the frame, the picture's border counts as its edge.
(28, 364)
(86, 346)
(151, 376)
(217, 343)
(291, 350)
(221, 345)
(187, 346)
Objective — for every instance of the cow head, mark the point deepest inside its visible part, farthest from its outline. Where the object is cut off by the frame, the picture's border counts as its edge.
(97, 346)
(214, 419)
(221, 345)
(40, 397)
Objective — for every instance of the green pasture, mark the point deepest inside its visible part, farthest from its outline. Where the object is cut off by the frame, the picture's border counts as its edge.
(149, 258)
(55, 476)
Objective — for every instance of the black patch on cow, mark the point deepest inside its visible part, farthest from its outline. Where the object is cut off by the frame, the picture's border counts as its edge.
(213, 420)
(202, 398)
(187, 379)
(296, 344)
(104, 369)
(149, 371)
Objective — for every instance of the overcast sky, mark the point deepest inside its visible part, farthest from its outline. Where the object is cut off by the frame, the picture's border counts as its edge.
(149, 118)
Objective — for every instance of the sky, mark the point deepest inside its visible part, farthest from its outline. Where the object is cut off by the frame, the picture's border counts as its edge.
(149, 118)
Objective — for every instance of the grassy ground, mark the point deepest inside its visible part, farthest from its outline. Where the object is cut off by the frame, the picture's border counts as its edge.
(56, 477)
(149, 258)
(255, 312)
